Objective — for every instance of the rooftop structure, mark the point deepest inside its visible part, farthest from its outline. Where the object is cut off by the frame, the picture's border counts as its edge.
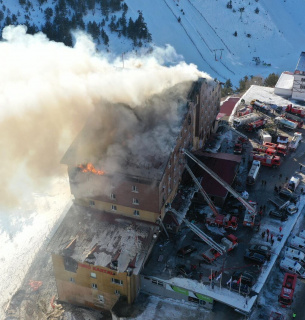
(284, 84)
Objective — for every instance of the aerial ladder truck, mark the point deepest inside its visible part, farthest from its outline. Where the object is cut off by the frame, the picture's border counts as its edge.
(250, 210)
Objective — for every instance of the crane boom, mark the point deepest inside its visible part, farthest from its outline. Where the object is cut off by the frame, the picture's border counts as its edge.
(205, 195)
(222, 182)
(205, 237)
(201, 234)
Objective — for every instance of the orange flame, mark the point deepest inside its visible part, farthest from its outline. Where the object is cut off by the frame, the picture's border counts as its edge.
(89, 167)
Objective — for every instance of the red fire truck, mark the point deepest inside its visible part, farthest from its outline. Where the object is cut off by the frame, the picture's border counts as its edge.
(286, 296)
(296, 110)
(223, 221)
(228, 243)
(265, 149)
(266, 160)
(255, 125)
(244, 111)
(280, 148)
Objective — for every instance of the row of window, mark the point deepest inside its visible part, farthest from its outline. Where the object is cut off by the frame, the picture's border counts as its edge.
(94, 285)
(134, 200)
(135, 212)
(114, 207)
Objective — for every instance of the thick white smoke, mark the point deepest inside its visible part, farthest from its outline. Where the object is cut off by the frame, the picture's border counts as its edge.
(48, 91)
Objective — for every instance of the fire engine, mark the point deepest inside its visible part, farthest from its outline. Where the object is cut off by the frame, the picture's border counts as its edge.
(228, 243)
(291, 117)
(296, 110)
(285, 123)
(264, 149)
(241, 121)
(255, 125)
(249, 219)
(244, 111)
(280, 148)
(288, 287)
(238, 147)
(260, 106)
(223, 221)
(266, 160)
(229, 220)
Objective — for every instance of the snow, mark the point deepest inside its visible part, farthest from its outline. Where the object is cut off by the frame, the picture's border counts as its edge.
(25, 230)
(277, 33)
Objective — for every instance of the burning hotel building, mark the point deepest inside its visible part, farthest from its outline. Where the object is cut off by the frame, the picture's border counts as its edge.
(124, 167)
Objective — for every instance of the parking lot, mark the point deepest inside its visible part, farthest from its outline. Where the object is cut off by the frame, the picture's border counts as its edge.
(165, 263)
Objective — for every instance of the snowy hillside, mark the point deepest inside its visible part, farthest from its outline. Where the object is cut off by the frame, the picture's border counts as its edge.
(273, 31)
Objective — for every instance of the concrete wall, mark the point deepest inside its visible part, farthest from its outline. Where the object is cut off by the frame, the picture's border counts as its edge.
(298, 90)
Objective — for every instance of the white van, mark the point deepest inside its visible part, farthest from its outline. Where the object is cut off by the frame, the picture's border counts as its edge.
(302, 234)
(293, 183)
(292, 266)
(298, 243)
(295, 255)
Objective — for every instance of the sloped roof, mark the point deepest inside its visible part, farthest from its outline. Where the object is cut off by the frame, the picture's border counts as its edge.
(223, 164)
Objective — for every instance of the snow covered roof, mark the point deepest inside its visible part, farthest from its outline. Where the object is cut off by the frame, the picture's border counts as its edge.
(285, 81)
(266, 95)
(99, 238)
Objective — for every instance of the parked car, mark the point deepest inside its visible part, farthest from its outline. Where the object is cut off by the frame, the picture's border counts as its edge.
(278, 215)
(261, 249)
(183, 270)
(186, 251)
(254, 257)
(287, 194)
(246, 278)
(291, 209)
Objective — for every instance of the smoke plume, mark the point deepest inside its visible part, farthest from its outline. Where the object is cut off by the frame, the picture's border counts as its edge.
(48, 91)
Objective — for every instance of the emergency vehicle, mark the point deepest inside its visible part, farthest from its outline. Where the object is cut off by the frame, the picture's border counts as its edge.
(266, 160)
(286, 297)
(296, 110)
(253, 173)
(255, 125)
(228, 243)
(280, 148)
(292, 266)
(299, 121)
(223, 221)
(260, 106)
(265, 149)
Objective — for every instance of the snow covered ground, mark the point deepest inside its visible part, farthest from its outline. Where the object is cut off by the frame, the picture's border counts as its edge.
(25, 230)
(204, 36)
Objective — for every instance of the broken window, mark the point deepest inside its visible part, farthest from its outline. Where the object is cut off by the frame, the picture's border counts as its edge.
(117, 292)
(117, 281)
(101, 298)
(72, 280)
(70, 264)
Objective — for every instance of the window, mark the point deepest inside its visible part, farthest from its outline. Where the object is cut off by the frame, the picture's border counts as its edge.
(135, 201)
(91, 203)
(136, 212)
(94, 285)
(135, 189)
(93, 275)
(117, 281)
(112, 196)
(101, 298)
(72, 280)
(113, 207)
(117, 292)
(302, 86)
(303, 79)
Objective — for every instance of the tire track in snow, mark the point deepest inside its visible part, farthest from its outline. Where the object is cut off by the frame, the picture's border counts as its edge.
(212, 68)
